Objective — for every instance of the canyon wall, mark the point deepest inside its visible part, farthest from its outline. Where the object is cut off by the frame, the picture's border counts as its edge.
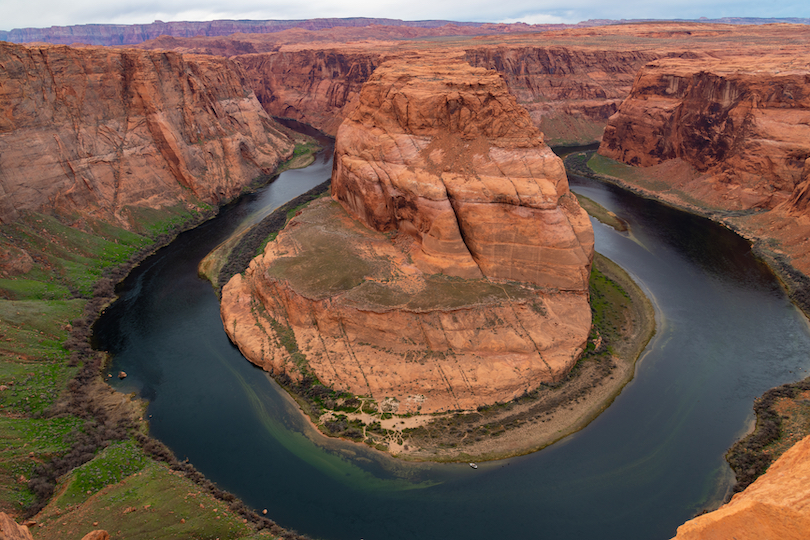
(98, 131)
(450, 267)
(316, 87)
(741, 124)
(775, 507)
(569, 92)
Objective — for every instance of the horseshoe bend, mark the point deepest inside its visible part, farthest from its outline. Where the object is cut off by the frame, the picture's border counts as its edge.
(447, 272)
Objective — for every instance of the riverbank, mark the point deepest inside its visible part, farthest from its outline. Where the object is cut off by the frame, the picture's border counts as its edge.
(624, 322)
(57, 414)
(781, 413)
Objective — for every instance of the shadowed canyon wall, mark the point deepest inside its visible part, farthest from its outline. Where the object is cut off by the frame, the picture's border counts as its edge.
(99, 131)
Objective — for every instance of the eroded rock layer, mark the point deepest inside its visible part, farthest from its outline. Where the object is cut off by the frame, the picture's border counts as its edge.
(450, 268)
(96, 131)
(442, 152)
(775, 507)
(742, 125)
(365, 320)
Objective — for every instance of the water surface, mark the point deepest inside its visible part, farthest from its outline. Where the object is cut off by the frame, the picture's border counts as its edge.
(726, 333)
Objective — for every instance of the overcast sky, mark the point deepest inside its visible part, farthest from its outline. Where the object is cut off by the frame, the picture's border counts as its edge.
(43, 13)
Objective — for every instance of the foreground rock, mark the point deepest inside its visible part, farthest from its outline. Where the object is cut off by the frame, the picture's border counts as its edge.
(775, 507)
(10, 530)
(100, 132)
(450, 269)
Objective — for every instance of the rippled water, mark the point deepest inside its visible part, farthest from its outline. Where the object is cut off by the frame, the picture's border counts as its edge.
(726, 333)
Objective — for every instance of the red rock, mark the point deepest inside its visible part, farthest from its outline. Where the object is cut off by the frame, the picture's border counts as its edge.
(442, 152)
(10, 530)
(97, 131)
(775, 507)
(96, 535)
(465, 280)
(742, 125)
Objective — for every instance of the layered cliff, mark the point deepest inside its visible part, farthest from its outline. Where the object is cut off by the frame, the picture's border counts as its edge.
(775, 507)
(449, 270)
(570, 92)
(743, 127)
(98, 131)
(316, 87)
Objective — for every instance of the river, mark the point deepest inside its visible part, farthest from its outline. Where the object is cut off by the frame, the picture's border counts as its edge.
(726, 333)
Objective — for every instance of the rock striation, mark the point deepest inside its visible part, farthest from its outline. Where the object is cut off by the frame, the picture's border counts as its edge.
(445, 154)
(316, 87)
(99, 132)
(775, 507)
(570, 92)
(742, 126)
(450, 267)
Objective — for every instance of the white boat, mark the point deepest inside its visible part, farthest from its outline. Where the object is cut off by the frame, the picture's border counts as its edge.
(473, 465)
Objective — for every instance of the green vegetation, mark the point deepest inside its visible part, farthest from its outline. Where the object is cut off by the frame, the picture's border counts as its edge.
(58, 421)
(152, 502)
(783, 419)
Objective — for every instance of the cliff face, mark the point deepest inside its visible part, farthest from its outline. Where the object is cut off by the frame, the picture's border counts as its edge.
(443, 153)
(452, 273)
(776, 506)
(95, 131)
(316, 87)
(569, 93)
(744, 129)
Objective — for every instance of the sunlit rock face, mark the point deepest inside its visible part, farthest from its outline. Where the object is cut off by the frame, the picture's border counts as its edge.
(442, 152)
(96, 132)
(448, 270)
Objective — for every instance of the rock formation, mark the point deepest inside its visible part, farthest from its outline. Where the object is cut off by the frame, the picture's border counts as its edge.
(99, 131)
(10, 530)
(454, 270)
(445, 154)
(775, 507)
(742, 125)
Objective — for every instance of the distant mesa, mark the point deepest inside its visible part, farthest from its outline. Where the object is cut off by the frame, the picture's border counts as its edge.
(448, 270)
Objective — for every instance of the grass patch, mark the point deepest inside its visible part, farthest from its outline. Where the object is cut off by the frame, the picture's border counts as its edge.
(24, 443)
(154, 502)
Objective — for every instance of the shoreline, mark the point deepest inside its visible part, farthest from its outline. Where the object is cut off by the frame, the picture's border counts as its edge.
(529, 423)
(533, 423)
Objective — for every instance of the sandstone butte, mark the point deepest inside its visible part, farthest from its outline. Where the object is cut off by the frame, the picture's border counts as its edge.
(775, 506)
(97, 132)
(450, 267)
(726, 134)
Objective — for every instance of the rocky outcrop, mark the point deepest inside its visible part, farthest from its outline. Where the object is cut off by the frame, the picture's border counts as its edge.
(742, 126)
(775, 507)
(454, 271)
(316, 87)
(442, 152)
(10, 530)
(98, 131)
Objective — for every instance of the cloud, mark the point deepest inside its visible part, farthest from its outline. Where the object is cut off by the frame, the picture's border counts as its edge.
(42, 13)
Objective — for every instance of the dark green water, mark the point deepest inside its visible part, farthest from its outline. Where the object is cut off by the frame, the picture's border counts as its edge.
(726, 333)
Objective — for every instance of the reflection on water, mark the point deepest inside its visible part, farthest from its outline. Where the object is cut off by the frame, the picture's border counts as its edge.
(654, 458)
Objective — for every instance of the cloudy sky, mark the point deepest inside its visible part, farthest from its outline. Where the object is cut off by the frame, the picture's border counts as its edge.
(43, 13)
